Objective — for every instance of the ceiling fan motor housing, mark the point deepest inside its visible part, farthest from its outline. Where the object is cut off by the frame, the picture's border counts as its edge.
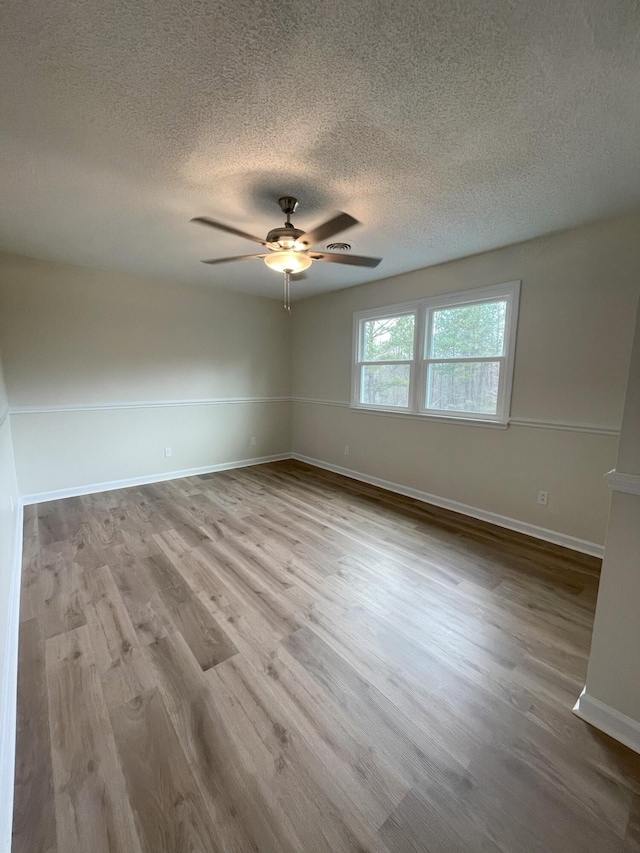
(285, 236)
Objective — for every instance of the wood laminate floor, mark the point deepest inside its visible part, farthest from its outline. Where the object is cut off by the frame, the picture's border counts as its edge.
(278, 659)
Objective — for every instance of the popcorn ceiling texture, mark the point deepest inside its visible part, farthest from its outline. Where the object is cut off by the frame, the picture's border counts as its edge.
(447, 127)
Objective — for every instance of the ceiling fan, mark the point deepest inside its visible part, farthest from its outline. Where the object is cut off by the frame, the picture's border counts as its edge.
(290, 249)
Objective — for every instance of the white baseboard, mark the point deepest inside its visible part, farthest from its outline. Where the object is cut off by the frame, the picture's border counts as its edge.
(608, 720)
(93, 488)
(543, 533)
(9, 686)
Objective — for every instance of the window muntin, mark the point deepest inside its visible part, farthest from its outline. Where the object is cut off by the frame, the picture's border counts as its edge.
(447, 357)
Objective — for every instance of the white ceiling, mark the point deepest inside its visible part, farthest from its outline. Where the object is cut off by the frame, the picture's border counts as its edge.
(447, 127)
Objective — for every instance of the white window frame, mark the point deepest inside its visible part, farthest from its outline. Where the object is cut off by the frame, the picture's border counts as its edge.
(422, 309)
(403, 310)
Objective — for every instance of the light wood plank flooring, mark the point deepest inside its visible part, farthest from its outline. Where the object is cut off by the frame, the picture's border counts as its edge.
(281, 660)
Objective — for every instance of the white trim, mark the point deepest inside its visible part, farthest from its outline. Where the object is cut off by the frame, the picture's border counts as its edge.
(608, 720)
(428, 416)
(8, 698)
(318, 402)
(620, 482)
(142, 404)
(543, 533)
(398, 413)
(520, 422)
(564, 425)
(531, 423)
(92, 488)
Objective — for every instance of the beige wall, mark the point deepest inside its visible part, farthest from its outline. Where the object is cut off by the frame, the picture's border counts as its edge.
(84, 338)
(614, 664)
(579, 295)
(63, 450)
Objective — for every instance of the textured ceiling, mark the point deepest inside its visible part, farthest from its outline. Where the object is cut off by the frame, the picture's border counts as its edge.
(446, 126)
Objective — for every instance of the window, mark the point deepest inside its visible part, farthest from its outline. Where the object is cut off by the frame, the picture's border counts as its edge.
(388, 354)
(447, 357)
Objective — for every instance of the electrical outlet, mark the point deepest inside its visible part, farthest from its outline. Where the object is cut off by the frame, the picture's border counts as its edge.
(543, 498)
(167, 452)
(346, 450)
(253, 440)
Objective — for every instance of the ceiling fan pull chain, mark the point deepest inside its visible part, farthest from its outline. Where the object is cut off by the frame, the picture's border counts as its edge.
(287, 292)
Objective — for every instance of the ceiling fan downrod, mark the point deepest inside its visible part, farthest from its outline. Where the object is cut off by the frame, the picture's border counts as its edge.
(288, 205)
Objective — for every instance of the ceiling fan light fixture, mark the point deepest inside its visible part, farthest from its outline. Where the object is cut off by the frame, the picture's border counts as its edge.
(288, 260)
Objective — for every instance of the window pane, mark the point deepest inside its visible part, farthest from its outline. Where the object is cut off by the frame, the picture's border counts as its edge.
(389, 338)
(385, 384)
(468, 331)
(464, 387)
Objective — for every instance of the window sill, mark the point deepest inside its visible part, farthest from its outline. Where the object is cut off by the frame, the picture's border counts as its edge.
(443, 419)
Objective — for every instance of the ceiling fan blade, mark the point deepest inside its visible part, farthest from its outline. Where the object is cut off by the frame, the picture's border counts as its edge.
(236, 258)
(353, 260)
(204, 220)
(332, 226)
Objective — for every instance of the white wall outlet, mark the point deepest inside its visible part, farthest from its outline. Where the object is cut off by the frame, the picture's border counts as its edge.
(346, 450)
(253, 440)
(543, 497)
(167, 452)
